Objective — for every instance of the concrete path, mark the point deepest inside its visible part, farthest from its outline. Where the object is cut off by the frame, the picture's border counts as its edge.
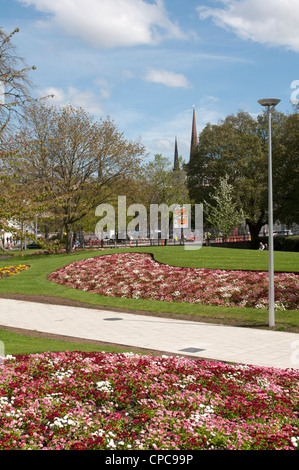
(200, 340)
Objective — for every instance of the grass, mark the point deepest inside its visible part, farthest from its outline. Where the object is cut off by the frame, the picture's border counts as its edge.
(228, 258)
(33, 282)
(24, 344)
(206, 257)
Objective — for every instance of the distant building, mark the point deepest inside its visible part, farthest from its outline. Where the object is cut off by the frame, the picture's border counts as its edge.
(176, 163)
(193, 134)
(193, 144)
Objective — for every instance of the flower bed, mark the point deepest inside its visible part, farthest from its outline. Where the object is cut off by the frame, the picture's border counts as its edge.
(138, 275)
(77, 401)
(62, 251)
(12, 270)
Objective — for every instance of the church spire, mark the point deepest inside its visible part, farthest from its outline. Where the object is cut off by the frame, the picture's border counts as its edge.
(176, 165)
(193, 134)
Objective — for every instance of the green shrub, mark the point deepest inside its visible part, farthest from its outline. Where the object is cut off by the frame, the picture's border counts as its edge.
(283, 243)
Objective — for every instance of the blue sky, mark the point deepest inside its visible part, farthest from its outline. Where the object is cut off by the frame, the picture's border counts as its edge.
(147, 63)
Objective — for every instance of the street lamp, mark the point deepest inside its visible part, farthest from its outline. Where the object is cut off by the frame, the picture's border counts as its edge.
(270, 104)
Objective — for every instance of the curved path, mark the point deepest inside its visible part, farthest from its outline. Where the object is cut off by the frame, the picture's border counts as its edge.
(168, 336)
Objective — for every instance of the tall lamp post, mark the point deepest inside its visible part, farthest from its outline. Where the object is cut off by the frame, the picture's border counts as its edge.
(270, 104)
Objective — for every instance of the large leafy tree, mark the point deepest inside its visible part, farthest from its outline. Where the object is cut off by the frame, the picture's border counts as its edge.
(16, 200)
(285, 151)
(72, 163)
(238, 147)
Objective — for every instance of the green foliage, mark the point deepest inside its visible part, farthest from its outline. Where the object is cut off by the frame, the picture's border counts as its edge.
(163, 183)
(238, 147)
(284, 244)
(70, 163)
(224, 215)
(286, 170)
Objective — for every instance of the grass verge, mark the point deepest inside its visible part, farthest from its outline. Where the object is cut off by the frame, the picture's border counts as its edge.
(16, 343)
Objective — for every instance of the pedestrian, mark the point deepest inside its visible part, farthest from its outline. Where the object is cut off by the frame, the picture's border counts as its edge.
(261, 247)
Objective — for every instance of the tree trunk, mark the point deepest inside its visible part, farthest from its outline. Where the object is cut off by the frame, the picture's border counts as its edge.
(69, 244)
(46, 232)
(254, 229)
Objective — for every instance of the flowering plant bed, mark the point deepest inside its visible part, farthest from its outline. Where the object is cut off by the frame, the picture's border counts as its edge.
(139, 276)
(12, 270)
(77, 401)
(62, 251)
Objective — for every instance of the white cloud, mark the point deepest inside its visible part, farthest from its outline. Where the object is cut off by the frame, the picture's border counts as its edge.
(107, 23)
(77, 98)
(272, 22)
(167, 78)
(104, 88)
(127, 74)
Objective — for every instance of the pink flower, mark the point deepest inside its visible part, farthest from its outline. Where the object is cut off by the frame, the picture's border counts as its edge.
(139, 276)
(153, 403)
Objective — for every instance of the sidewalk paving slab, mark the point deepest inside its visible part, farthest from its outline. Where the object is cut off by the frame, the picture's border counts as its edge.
(197, 339)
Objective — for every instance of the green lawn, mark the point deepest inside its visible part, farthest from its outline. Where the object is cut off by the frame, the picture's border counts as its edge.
(34, 282)
(15, 344)
(225, 258)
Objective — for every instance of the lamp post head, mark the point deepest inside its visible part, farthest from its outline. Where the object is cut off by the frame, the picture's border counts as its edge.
(269, 102)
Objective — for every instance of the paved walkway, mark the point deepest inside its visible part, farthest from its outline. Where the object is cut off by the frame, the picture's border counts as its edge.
(200, 340)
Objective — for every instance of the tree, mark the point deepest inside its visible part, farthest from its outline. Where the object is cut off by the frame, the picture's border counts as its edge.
(15, 86)
(164, 184)
(14, 81)
(238, 147)
(73, 161)
(223, 214)
(285, 169)
(21, 200)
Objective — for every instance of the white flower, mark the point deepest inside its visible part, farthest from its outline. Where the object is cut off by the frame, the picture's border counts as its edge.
(104, 386)
(9, 356)
(62, 422)
(62, 374)
(98, 433)
(111, 443)
(3, 401)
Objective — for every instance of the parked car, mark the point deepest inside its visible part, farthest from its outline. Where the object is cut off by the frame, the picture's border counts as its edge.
(33, 246)
(286, 233)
